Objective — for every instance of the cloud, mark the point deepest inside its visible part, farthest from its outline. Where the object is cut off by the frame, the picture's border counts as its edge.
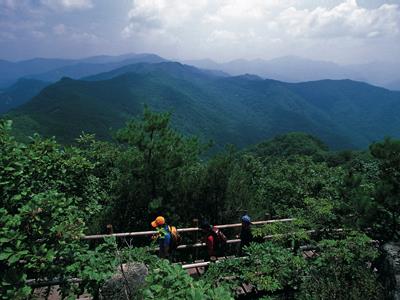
(10, 7)
(256, 27)
(68, 33)
(4, 36)
(67, 4)
(161, 15)
(255, 10)
(38, 34)
(219, 29)
(223, 35)
(347, 19)
(8, 4)
(39, 6)
(22, 29)
(273, 16)
(59, 29)
(85, 37)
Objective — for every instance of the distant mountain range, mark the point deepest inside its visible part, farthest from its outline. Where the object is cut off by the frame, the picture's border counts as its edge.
(296, 69)
(287, 68)
(241, 110)
(47, 69)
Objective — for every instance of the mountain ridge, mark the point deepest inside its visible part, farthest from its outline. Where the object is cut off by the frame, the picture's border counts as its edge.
(241, 110)
(52, 69)
(298, 69)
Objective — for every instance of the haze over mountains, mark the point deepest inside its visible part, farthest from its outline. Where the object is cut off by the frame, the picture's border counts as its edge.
(49, 69)
(297, 69)
(287, 68)
(241, 110)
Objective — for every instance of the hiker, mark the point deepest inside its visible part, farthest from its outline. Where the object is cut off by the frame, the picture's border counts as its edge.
(163, 236)
(246, 237)
(167, 236)
(175, 241)
(214, 239)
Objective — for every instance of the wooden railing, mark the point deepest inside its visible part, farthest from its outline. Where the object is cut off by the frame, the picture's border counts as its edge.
(190, 229)
(36, 284)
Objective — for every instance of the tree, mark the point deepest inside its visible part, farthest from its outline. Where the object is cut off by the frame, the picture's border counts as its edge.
(387, 196)
(47, 195)
(245, 189)
(214, 186)
(270, 267)
(154, 162)
(287, 182)
(342, 270)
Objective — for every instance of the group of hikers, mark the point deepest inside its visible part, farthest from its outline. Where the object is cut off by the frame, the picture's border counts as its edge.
(168, 237)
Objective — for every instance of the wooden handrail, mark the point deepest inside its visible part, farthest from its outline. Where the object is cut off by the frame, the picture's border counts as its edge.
(190, 229)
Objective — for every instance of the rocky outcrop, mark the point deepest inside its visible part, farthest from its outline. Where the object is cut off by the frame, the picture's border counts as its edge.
(391, 270)
(123, 285)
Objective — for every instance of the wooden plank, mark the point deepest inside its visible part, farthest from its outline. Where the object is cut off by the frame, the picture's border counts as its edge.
(195, 265)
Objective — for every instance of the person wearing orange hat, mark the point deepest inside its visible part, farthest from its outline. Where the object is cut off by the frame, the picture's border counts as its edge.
(163, 236)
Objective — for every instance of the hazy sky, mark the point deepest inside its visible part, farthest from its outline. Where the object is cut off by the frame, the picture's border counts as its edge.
(338, 30)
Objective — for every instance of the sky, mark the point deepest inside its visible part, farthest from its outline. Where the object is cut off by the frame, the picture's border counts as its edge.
(342, 31)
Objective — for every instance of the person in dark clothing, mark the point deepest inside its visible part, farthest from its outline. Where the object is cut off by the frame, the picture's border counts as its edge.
(246, 237)
(215, 240)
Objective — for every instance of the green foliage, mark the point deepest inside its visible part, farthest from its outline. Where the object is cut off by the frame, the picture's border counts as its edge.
(272, 267)
(93, 267)
(167, 281)
(46, 196)
(288, 234)
(139, 254)
(269, 267)
(342, 270)
(295, 143)
(51, 195)
(228, 273)
(153, 163)
(287, 182)
(387, 196)
(246, 189)
(357, 208)
(213, 201)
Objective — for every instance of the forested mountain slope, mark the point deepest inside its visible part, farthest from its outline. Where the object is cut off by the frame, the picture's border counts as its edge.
(241, 110)
(20, 92)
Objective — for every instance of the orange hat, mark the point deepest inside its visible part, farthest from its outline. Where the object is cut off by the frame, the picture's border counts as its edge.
(158, 221)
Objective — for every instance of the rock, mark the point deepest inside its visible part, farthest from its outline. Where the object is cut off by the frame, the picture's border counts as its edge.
(391, 270)
(121, 284)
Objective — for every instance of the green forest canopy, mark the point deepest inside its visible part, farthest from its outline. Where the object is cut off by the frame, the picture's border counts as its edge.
(51, 195)
(240, 110)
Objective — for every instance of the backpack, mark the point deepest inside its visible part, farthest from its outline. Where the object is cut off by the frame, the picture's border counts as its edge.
(220, 238)
(175, 237)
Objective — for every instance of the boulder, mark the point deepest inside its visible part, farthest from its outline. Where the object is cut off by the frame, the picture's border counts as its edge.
(391, 270)
(124, 283)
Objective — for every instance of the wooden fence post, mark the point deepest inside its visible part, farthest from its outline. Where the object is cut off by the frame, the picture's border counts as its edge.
(196, 237)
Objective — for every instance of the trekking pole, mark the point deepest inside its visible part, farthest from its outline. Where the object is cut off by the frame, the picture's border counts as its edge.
(196, 237)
